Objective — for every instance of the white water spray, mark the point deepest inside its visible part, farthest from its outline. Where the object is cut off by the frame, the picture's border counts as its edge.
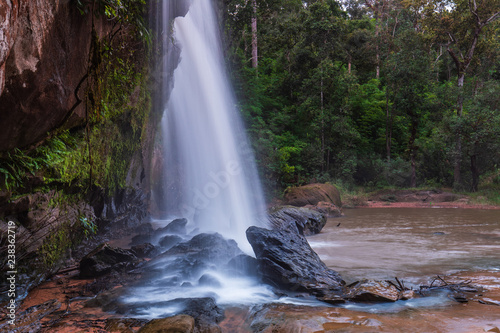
(212, 178)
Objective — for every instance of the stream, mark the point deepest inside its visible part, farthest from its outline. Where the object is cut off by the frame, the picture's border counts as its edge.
(409, 243)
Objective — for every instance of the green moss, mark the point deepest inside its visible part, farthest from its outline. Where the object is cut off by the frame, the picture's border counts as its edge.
(55, 245)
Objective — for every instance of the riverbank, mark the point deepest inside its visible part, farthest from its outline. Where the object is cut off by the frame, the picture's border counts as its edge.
(416, 198)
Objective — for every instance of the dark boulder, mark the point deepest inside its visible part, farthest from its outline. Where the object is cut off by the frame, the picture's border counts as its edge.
(309, 221)
(287, 261)
(244, 264)
(177, 226)
(170, 240)
(144, 250)
(105, 259)
(212, 248)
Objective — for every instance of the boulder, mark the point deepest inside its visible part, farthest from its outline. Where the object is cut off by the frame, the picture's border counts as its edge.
(105, 259)
(327, 208)
(287, 261)
(176, 324)
(144, 250)
(312, 194)
(372, 291)
(170, 240)
(207, 247)
(309, 221)
(244, 264)
(177, 226)
(204, 311)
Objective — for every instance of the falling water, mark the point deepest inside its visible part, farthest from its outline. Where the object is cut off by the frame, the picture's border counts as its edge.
(211, 173)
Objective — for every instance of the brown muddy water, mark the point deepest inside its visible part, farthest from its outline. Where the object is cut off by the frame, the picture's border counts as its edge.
(416, 245)
(409, 243)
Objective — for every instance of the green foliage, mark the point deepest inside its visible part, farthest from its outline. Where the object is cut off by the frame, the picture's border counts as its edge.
(18, 166)
(121, 12)
(88, 225)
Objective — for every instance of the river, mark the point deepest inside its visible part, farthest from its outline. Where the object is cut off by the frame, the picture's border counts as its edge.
(409, 243)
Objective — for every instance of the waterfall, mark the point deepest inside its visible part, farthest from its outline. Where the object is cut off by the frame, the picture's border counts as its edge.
(211, 173)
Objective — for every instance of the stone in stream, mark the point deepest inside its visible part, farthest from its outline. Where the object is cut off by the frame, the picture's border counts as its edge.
(178, 324)
(177, 226)
(372, 291)
(169, 241)
(104, 259)
(287, 261)
(307, 220)
(212, 248)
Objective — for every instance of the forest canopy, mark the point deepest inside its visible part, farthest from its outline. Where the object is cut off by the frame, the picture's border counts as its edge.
(369, 92)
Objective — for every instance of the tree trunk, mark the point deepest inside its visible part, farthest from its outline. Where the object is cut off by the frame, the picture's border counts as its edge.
(413, 153)
(457, 176)
(388, 126)
(475, 173)
(255, 61)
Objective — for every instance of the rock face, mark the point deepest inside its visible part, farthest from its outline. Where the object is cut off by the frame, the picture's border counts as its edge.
(41, 64)
(312, 194)
(287, 261)
(309, 221)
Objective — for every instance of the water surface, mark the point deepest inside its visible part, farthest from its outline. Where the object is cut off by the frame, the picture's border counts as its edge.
(410, 243)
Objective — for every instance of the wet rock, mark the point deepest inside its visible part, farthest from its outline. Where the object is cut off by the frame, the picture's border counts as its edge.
(491, 328)
(372, 291)
(177, 226)
(327, 208)
(308, 221)
(209, 280)
(207, 247)
(408, 294)
(124, 325)
(204, 310)
(244, 264)
(145, 229)
(176, 324)
(287, 261)
(104, 259)
(29, 320)
(489, 301)
(144, 250)
(141, 239)
(312, 194)
(170, 240)
(289, 318)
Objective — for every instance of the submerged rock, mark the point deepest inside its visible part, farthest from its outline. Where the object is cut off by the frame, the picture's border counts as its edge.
(104, 259)
(308, 221)
(372, 291)
(287, 261)
(179, 324)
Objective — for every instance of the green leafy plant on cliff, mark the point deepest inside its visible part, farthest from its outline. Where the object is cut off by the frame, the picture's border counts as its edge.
(18, 165)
